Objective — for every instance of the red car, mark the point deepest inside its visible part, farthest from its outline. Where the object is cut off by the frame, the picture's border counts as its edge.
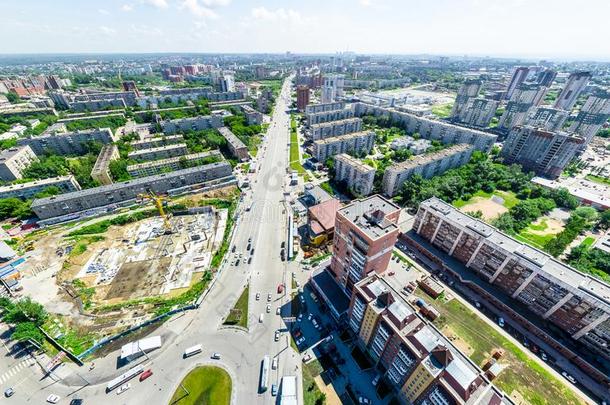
(146, 374)
(280, 288)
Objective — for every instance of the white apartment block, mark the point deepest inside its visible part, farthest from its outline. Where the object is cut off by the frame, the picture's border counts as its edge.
(358, 176)
(14, 161)
(357, 143)
(335, 128)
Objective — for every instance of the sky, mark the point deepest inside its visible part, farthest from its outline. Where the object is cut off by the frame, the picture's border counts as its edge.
(544, 29)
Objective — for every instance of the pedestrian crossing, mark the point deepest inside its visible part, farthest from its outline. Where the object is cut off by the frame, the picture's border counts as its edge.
(16, 369)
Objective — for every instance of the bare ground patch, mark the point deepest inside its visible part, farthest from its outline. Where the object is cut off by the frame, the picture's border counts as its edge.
(487, 206)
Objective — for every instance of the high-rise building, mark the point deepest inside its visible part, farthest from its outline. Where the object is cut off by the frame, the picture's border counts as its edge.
(519, 76)
(575, 85)
(478, 112)
(226, 83)
(550, 119)
(525, 96)
(365, 234)
(546, 77)
(302, 96)
(576, 303)
(357, 176)
(469, 89)
(337, 82)
(328, 94)
(593, 114)
(544, 152)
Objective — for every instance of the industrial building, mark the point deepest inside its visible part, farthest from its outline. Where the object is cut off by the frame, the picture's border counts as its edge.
(28, 190)
(14, 161)
(69, 143)
(357, 176)
(101, 169)
(172, 164)
(544, 152)
(237, 148)
(334, 128)
(428, 128)
(365, 234)
(426, 166)
(161, 152)
(357, 143)
(192, 124)
(156, 142)
(576, 303)
(123, 193)
(421, 365)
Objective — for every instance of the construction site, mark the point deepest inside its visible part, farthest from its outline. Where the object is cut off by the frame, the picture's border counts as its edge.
(106, 274)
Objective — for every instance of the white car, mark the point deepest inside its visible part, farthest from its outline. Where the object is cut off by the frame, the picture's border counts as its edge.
(568, 377)
(53, 399)
(268, 308)
(277, 335)
(258, 296)
(274, 363)
(216, 356)
(278, 310)
(300, 317)
(123, 388)
(300, 340)
(310, 316)
(376, 380)
(268, 297)
(501, 322)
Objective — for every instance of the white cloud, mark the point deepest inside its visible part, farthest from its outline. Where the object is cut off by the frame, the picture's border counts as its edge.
(143, 29)
(216, 3)
(199, 10)
(264, 14)
(126, 7)
(102, 11)
(107, 30)
(158, 3)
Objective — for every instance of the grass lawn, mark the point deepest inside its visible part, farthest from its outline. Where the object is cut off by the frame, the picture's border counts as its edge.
(521, 373)
(588, 242)
(538, 241)
(311, 392)
(442, 110)
(239, 313)
(295, 159)
(598, 179)
(206, 385)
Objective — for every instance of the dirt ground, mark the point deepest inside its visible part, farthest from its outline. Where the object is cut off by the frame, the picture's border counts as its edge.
(487, 206)
(138, 280)
(457, 341)
(553, 226)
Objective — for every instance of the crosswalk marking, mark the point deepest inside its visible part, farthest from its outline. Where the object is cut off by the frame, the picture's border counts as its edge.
(16, 369)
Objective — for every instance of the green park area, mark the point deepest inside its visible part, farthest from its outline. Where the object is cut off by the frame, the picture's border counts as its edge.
(442, 110)
(205, 385)
(239, 313)
(295, 158)
(521, 376)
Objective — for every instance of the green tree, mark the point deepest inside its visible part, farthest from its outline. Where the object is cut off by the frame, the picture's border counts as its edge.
(26, 310)
(27, 331)
(604, 219)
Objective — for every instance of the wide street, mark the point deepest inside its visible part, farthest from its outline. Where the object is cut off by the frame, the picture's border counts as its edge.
(261, 216)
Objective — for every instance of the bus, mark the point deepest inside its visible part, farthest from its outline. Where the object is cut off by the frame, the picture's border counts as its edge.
(191, 351)
(123, 378)
(264, 375)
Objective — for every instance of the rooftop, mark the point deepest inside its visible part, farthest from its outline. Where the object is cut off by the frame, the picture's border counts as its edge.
(37, 183)
(335, 123)
(342, 138)
(231, 137)
(325, 212)
(161, 162)
(167, 139)
(429, 158)
(8, 154)
(355, 163)
(157, 149)
(369, 215)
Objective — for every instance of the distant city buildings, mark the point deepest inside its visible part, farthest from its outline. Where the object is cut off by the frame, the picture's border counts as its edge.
(544, 152)
(226, 83)
(592, 115)
(519, 76)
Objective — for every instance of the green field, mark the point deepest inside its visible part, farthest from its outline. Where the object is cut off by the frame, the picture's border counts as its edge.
(521, 373)
(588, 242)
(510, 199)
(206, 385)
(239, 313)
(295, 159)
(442, 110)
(311, 393)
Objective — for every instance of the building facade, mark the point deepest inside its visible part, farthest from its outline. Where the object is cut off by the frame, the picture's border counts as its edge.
(469, 90)
(156, 142)
(330, 115)
(237, 148)
(355, 143)
(547, 118)
(14, 161)
(357, 176)
(524, 98)
(544, 152)
(161, 152)
(253, 117)
(519, 76)
(569, 94)
(28, 190)
(302, 97)
(172, 164)
(592, 116)
(365, 234)
(426, 166)
(69, 143)
(478, 112)
(101, 169)
(334, 128)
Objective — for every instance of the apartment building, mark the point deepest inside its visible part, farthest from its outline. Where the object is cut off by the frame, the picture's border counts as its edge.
(420, 364)
(593, 115)
(124, 193)
(101, 169)
(430, 129)
(365, 234)
(357, 176)
(237, 148)
(426, 166)
(14, 161)
(478, 112)
(525, 97)
(467, 91)
(161, 152)
(544, 152)
(68, 143)
(172, 164)
(156, 142)
(331, 115)
(569, 94)
(192, 124)
(30, 189)
(334, 128)
(302, 96)
(519, 76)
(253, 117)
(547, 118)
(576, 303)
(356, 143)
(324, 107)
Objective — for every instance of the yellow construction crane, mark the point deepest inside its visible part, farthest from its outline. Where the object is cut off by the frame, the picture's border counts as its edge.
(158, 200)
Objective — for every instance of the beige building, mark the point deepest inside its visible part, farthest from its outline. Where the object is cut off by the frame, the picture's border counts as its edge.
(358, 176)
(101, 169)
(14, 161)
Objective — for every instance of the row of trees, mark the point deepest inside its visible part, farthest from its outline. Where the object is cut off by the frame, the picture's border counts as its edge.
(27, 316)
(523, 213)
(112, 122)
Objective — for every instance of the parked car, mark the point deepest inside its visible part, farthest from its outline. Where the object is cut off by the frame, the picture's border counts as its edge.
(274, 364)
(76, 401)
(145, 375)
(273, 389)
(53, 399)
(261, 318)
(123, 388)
(249, 260)
(364, 400)
(300, 341)
(268, 308)
(9, 392)
(216, 356)
(278, 311)
(277, 335)
(258, 296)
(269, 297)
(376, 380)
(568, 377)
(501, 322)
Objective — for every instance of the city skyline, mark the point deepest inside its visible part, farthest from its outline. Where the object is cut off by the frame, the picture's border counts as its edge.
(233, 26)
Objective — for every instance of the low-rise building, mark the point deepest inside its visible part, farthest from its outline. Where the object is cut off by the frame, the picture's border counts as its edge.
(161, 152)
(69, 143)
(427, 166)
(357, 176)
(101, 169)
(237, 148)
(28, 190)
(156, 142)
(125, 193)
(334, 128)
(356, 143)
(416, 146)
(14, 161)
(171, 164)
(587, 192)
(321, 221)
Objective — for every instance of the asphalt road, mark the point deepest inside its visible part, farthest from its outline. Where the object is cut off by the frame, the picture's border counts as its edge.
(241, 351)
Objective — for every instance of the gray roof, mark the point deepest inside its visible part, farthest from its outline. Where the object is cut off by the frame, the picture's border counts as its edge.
(361, 213)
